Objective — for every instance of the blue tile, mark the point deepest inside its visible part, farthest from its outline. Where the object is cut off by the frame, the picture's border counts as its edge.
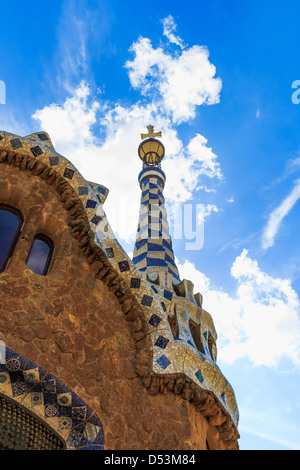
(68, 173)
(101, 190)
(90, 204)
(135, 282)
(168, 295)
(163, 361)
(36, 151)
(83, 190)
(43, 137)
(124, 266)
(199, 376)
(161, 342)
(53, 161)
(16, 143)
(155, 320)
(147, 300)
(96, 219)
(110, 252)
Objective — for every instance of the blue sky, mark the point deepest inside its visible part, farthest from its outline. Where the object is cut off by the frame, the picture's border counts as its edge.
(216, 77)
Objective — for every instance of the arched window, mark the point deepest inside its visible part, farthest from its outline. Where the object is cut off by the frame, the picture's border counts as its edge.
(40, 255)
(10, 226)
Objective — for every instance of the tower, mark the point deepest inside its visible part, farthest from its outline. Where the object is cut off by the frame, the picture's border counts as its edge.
(153, 253)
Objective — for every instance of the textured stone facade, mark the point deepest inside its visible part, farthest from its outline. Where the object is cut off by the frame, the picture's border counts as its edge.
(83, 325)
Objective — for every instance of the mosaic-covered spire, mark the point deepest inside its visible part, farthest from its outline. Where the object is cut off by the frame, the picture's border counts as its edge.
(153, 253)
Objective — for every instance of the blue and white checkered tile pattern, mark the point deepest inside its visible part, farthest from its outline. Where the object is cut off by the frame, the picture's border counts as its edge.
(153, 247)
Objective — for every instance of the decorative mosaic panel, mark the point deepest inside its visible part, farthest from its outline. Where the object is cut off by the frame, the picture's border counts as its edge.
(53, 403)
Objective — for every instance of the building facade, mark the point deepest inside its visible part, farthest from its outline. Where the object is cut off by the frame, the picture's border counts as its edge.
(99, 351)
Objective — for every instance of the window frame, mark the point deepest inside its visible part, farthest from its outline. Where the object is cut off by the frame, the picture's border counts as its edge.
(47, 241)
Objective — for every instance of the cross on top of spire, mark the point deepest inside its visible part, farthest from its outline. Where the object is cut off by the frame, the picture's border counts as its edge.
(151, 133)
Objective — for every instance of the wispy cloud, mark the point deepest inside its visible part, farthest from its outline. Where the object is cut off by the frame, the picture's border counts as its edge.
(79, 36)
(169, 28)
(271, 425)
(283, 443)
(276, 217)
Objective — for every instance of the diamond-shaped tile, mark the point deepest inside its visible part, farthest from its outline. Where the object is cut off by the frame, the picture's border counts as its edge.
(53, 161)
(83, 190)
(161, 342)
(135, 282)
(96, 219)
(68, 173)
(155, 320)
(163, 361)
(32, 375)
(124, 266)
(168, 295)
(64, 399)
(43, 137)
(90, 204)
(147, 300)
(16, 143)
(36, 151)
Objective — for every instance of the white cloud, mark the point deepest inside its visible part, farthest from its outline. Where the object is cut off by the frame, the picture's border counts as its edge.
(260, 321)
(198, 151)
(277, 216)
(181, 82)
(71, 123)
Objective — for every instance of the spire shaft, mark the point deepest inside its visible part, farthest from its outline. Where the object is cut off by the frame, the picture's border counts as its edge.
(153, 253)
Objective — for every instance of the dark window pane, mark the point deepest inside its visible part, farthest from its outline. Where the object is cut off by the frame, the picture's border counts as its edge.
(40, 255)
(10, 223)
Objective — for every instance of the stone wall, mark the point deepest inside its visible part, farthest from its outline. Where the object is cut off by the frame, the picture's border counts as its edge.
(70, 323)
